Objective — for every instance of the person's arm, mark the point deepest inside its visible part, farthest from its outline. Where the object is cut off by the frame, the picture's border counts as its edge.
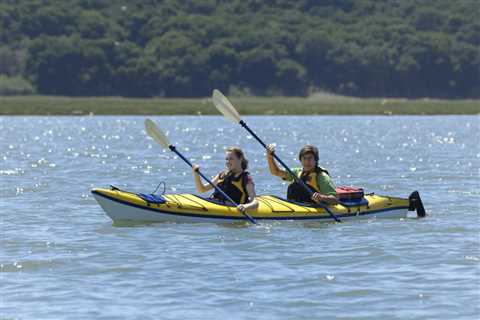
(328, 193)
(330, 199)
(253, 204)
(272, 164)
(198, 182)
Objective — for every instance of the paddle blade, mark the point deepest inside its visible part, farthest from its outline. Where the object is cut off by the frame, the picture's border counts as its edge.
(224, 106)
(157, 134)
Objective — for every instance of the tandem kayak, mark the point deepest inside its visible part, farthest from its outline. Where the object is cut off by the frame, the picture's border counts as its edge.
(124, 206)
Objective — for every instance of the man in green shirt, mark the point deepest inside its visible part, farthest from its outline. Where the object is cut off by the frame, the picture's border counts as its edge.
(316, 178)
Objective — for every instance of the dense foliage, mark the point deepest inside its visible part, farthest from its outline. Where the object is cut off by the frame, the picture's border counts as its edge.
(410, 48)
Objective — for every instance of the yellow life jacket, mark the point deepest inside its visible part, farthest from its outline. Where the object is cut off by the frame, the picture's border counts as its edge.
(234, 187)
(310, 179)
(296, 192)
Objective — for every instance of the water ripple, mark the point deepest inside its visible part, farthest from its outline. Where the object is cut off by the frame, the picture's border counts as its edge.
(61, 257)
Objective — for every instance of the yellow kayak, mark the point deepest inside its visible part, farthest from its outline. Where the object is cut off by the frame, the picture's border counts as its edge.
(122, 205)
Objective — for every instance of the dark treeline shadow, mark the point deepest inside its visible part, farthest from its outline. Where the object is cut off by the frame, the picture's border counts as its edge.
(171, 48)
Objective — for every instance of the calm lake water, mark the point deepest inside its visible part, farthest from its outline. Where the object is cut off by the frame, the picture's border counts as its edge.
(61, 257)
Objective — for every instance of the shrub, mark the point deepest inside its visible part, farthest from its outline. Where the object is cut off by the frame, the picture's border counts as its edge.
(17, 85)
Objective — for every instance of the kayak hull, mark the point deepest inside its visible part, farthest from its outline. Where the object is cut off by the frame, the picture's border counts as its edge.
(121, 206)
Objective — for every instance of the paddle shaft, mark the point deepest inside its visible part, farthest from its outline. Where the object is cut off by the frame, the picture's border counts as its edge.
(297, 179)
(173, 149)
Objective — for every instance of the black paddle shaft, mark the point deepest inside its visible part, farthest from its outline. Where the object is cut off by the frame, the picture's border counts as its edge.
(172, 148)
(297, 179)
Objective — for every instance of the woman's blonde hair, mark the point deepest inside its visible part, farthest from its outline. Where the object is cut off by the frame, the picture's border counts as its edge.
(240, 155)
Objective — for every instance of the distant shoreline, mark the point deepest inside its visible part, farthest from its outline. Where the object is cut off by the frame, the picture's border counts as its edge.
(320, 104)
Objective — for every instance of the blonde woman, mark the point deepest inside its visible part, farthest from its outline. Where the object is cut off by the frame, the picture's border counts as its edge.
(235, 181)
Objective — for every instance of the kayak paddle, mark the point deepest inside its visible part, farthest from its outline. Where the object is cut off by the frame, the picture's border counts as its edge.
(228, 110)
(157, 135)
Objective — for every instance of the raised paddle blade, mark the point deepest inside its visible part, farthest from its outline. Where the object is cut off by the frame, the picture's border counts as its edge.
(224, 106)
(157, 134)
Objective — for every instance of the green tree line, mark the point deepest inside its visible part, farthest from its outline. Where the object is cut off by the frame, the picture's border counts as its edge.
(172, 48)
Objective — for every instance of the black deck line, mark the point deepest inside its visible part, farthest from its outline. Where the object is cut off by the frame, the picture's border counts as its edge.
(243, 218)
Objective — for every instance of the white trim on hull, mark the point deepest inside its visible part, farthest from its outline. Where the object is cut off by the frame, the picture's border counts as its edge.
(118, 211)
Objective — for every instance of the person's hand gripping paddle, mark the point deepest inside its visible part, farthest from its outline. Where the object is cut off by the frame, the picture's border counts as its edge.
(228, 110)
(157, 135)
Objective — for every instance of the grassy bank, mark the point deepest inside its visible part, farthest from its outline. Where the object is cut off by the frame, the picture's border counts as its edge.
(316, 104)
